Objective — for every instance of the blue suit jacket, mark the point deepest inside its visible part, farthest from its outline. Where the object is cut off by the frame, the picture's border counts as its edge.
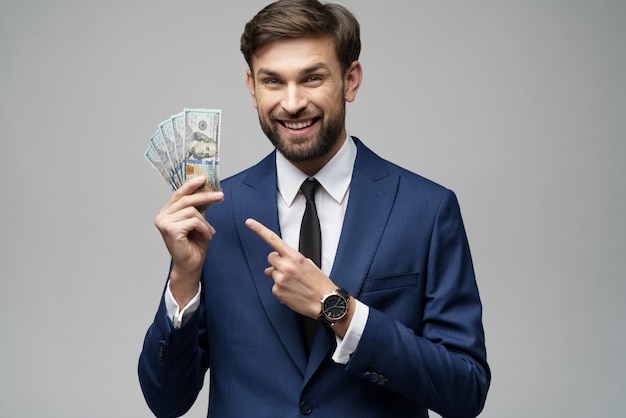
(403, 252)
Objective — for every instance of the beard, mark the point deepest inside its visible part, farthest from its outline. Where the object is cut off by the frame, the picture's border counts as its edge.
(307, 148)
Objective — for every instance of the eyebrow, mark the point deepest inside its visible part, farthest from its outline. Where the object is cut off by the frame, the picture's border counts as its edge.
(308, 70)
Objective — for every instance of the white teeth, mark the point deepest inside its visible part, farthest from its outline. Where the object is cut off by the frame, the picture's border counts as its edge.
(300, 125)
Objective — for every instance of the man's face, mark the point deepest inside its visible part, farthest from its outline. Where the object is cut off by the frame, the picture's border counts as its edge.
(300, 93)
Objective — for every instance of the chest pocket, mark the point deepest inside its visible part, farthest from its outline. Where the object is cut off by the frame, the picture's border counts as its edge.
(375, 284)
(400, 296)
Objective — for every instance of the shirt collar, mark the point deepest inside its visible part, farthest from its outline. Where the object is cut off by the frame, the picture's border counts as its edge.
(334, 177)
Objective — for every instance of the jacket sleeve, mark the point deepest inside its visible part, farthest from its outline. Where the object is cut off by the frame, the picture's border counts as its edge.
(173, 363)
(439, 360)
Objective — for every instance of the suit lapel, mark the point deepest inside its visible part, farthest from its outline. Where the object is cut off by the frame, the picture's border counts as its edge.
(373, 191)
(255, 197)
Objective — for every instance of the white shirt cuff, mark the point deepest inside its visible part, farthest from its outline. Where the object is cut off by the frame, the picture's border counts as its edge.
(173, 310)
(347, 345)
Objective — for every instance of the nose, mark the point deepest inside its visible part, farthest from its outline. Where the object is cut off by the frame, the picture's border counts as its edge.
(294, 99)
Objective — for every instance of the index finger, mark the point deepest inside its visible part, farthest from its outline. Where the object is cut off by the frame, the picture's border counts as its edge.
(270, 237)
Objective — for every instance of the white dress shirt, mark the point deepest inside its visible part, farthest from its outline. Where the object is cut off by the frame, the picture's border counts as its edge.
(331, 200)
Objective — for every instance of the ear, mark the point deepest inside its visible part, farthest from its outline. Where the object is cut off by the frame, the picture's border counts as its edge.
(352, 80)
(251, 84)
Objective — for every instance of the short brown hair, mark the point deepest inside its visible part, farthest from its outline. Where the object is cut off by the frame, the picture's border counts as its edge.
(299, 18)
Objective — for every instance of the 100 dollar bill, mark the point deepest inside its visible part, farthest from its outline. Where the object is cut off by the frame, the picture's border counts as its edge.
(161, 147)
(201, 145)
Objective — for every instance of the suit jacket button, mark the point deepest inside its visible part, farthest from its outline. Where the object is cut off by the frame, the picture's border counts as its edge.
(373, 377)
(306, 408)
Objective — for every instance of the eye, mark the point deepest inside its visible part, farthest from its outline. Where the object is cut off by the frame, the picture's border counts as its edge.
(271, 82)
(313, 80)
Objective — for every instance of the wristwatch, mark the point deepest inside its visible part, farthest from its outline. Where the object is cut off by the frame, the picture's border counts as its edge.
(334, 306)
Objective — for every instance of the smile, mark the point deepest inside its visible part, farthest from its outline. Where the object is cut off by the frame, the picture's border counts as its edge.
(298, 125)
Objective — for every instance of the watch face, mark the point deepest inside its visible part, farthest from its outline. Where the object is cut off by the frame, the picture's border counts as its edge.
(335, 307)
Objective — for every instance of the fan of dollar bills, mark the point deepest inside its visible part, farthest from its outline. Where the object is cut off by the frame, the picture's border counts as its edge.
(187, 145)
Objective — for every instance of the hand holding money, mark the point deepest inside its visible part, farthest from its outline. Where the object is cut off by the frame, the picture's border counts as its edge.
(186, 234)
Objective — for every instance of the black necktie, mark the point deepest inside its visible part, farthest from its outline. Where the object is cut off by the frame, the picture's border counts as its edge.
(310, 246)
(310, 233)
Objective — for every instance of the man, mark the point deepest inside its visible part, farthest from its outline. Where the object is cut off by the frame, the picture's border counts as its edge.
(400, 328)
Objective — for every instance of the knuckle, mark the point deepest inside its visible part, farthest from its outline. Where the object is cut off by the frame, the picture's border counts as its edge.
(178, 194)
(300, 258)
(272, 238)
(288, 270)
(159, 222)
(276, 292)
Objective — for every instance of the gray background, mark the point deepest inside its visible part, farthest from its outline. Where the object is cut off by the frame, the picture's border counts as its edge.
(518, 106)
